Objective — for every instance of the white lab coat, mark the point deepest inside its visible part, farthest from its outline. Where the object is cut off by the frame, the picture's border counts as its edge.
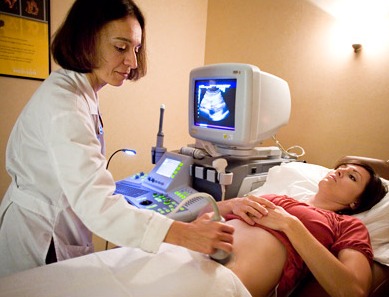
(60, 188)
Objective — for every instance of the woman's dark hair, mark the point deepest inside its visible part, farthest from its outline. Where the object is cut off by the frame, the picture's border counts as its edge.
(373, 193)
(74, 46)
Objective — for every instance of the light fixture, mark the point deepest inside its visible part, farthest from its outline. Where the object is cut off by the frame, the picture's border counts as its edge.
(129, 152)
(357, 47)
(359, 23)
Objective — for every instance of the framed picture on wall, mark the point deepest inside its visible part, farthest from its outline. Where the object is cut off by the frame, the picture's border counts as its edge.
(25, 38)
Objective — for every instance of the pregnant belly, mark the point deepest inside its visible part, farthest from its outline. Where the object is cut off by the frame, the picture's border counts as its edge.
(258, 257)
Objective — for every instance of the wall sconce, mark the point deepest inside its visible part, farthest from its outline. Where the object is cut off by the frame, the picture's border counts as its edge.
(357, 47)
(358, 23)
(126, 151)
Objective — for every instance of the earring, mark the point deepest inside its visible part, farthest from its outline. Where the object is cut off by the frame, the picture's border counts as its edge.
(354, 205)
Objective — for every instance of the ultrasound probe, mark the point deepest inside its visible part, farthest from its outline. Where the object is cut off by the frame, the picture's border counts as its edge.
(220, 255)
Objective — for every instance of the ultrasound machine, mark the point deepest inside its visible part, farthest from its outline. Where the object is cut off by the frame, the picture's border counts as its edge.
(232, 108)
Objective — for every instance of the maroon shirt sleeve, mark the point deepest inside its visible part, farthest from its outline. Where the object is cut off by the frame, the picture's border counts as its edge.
(352, 234)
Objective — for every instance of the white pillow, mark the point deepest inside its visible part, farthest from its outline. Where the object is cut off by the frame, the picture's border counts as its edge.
(300, 181)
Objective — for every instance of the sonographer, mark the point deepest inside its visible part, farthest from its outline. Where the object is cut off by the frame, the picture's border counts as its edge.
(61, 191)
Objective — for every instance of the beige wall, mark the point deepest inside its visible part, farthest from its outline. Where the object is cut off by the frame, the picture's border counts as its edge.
(339, 100)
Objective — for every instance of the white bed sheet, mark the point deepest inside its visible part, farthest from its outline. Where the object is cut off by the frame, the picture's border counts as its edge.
(173, 271)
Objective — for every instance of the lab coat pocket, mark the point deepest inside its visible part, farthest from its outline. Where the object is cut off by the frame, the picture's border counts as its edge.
(73, 251)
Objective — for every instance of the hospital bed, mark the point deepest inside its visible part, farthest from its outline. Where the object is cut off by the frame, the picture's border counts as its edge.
(175, 271)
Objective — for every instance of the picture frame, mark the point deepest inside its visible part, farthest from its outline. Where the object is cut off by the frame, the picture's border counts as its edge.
(25, 38)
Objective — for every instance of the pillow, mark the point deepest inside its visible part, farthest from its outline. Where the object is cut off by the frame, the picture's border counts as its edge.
(300, 181)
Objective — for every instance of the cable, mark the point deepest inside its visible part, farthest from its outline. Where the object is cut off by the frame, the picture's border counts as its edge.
(220, 255)
(211, 200)
(287, 151)
(223, 192)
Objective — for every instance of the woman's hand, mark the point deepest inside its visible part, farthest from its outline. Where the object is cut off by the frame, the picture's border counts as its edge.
(277, 219)
(202, 235)
(251, 208)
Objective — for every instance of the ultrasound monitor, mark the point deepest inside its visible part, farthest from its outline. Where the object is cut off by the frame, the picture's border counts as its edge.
(236, 106)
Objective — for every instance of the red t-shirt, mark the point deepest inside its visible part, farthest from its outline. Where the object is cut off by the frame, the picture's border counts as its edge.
(334, 231)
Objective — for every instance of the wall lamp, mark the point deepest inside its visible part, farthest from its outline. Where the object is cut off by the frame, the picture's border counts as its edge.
(357, 47)
(360, 23)
(124, 150)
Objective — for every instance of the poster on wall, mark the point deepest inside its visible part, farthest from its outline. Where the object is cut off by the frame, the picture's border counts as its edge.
(25, 38)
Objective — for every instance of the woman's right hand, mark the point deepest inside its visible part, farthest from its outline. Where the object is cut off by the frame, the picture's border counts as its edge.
(251, 208)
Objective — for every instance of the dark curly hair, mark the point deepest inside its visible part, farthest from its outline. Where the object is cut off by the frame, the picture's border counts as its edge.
(74, 46)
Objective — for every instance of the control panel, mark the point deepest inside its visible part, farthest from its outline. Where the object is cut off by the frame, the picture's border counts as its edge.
(161, 190)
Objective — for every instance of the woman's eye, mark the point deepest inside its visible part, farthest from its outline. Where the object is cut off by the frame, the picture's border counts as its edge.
(120, 48)
(352, 177)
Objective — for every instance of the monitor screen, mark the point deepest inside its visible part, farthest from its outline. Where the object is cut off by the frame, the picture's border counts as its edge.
(214, 104)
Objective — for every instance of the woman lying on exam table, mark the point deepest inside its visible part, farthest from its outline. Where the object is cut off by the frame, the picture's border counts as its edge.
(318, 235)
(61, 191)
